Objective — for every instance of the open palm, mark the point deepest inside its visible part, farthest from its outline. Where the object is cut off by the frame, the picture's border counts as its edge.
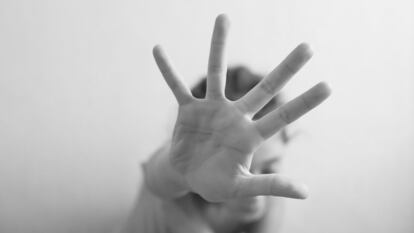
(214, 139)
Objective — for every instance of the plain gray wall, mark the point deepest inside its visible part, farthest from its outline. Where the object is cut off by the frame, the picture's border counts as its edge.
(82, 103)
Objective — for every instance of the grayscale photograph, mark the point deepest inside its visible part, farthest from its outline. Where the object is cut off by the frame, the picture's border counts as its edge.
(136, 116)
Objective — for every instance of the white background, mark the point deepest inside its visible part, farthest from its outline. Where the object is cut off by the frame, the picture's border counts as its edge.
(82, 103)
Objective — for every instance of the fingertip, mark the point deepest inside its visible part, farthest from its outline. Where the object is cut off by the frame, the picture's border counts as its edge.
(223, 20)
(297, 191)
(298, 57)
(306, 48)
(222, 17)
(302, 191)
(323, 89)
(157, 49)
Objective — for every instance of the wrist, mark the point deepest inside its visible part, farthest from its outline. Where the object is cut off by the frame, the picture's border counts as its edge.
(161, 178)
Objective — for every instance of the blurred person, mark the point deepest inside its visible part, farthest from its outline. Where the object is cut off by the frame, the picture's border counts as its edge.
(220, 171)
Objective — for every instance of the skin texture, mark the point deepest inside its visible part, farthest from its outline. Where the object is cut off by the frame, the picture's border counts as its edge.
(233, 214)
(214, 139)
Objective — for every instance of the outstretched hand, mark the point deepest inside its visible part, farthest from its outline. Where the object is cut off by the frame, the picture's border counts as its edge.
(214, 139)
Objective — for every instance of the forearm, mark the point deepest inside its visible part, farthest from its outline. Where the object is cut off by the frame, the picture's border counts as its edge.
(162, 179)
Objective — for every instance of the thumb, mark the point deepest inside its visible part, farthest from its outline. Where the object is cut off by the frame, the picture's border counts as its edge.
(271, 185)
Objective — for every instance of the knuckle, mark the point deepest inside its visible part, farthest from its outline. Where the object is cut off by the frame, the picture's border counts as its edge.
(288, 69)
(242, 105)
(305, 103)
(267, 87)
(216, 68)
(284, 115)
